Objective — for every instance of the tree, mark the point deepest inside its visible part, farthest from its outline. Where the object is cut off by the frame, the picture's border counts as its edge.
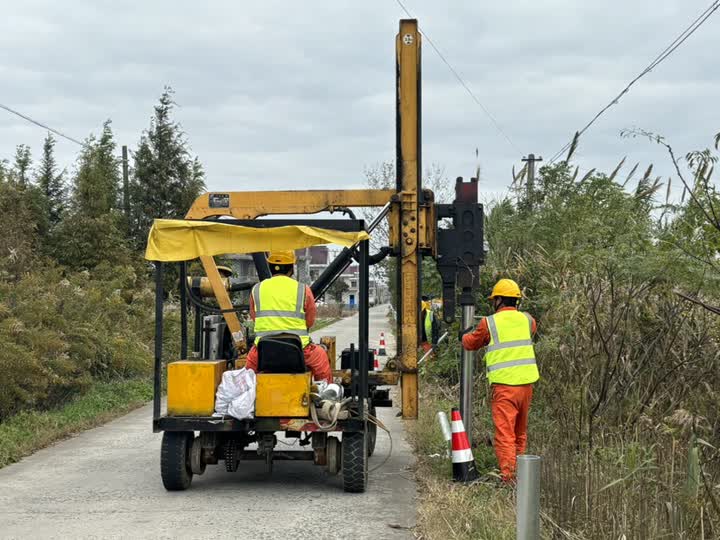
(92, 232)
(166, 179)
(21, 167)
(18, 221)
(4, 171)
(337, 289)
(51, 182)
(97, 181)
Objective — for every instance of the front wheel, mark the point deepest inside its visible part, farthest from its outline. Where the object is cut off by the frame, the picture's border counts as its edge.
(355, 461)
(175, 460)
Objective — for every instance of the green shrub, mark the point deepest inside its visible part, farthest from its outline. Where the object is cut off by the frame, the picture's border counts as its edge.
(60, 331)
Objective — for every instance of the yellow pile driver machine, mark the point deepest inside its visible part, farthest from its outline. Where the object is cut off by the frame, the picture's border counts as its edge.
(231, 222)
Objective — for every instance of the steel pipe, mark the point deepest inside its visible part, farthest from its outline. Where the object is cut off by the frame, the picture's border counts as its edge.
(183, 312)
(157, 375)
(466, 375)
(528, 497)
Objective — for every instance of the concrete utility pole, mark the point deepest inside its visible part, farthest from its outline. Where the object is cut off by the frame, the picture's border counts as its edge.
(531, 159)
(126, 183)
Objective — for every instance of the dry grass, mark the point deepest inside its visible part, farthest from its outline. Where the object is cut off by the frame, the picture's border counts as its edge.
(447, 510)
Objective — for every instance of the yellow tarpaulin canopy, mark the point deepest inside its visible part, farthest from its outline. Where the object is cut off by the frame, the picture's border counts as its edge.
(183, 240)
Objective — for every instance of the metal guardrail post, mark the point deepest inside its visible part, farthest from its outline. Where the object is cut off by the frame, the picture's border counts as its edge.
(446, 430)
(528, 497)
(466, 376)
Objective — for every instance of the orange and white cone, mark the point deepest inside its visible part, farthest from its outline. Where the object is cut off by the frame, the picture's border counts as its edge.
(381, 349)
(463, 463)
(376, 362)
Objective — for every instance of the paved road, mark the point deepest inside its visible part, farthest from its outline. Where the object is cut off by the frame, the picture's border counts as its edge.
(105, 483)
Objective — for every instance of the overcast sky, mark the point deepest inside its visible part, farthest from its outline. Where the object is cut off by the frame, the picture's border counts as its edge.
(294, 95)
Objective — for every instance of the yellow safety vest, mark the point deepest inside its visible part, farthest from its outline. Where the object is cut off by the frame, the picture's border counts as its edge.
(510, 355)
(428, 324)
(280, 308)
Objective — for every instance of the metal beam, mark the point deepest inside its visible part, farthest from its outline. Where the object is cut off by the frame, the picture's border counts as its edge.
(409, 186)
(223, 300)
(251, 204)
(342, 225)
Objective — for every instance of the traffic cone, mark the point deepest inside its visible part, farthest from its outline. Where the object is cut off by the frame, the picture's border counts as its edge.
(464, 469)
(376, 363)
(381, 349)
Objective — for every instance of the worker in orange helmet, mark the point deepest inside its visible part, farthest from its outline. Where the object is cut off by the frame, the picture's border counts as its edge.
(281, 305)
(511, 369)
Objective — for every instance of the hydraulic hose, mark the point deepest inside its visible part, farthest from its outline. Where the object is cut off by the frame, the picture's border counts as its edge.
(342, 261)
(211, 309)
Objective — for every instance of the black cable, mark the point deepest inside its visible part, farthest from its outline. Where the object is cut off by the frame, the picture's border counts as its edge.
(462, 82)
(679, 40)
(40, 124)
(345, 210)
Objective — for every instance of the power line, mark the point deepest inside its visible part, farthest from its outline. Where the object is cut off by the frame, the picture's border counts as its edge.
(462, 82)
(679, 40)
(40, 124)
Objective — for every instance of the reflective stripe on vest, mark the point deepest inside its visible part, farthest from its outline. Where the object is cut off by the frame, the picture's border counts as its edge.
(510, 355)
(280, 308)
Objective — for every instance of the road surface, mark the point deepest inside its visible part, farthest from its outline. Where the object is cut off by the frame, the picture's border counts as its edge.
(105, 483)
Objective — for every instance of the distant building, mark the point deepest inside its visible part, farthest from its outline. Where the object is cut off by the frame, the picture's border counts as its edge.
(311, 262)
(243, 267)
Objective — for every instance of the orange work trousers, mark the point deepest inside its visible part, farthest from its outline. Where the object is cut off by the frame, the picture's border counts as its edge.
(510, 406)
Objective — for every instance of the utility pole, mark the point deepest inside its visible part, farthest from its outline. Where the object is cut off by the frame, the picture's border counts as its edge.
(126, 184)
(531, 159)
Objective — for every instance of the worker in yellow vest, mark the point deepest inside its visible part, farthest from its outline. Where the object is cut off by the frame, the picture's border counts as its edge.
(281, 305)
(426, 315)
(511, 369)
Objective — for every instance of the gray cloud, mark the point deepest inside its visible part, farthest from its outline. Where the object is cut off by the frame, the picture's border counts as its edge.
(290, 95)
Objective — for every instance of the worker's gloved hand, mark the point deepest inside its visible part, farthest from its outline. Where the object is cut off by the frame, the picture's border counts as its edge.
(461, 333)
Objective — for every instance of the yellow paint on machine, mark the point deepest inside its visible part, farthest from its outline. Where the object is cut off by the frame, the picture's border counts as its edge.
(192, 385)
(283, 394)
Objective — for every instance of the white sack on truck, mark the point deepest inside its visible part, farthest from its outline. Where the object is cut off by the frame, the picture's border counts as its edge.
(235, 395)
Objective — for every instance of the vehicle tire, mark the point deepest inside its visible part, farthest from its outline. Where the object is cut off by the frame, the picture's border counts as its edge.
(354, 461)
(175, 460)
(372, 433)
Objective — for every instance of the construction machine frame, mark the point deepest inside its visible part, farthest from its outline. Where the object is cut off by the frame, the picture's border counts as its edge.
(227, 439)
(413, 233)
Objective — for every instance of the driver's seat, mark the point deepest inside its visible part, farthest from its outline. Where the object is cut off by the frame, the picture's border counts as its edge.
(283, 384)
(282, 353)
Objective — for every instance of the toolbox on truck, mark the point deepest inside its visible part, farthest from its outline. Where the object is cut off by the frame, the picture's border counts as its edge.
(192, 385)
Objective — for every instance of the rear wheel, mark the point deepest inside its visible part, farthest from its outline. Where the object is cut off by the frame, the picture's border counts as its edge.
(175, 460)
(355, 461)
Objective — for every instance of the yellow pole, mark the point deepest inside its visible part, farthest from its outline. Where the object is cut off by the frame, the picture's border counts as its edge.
(409, 189)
